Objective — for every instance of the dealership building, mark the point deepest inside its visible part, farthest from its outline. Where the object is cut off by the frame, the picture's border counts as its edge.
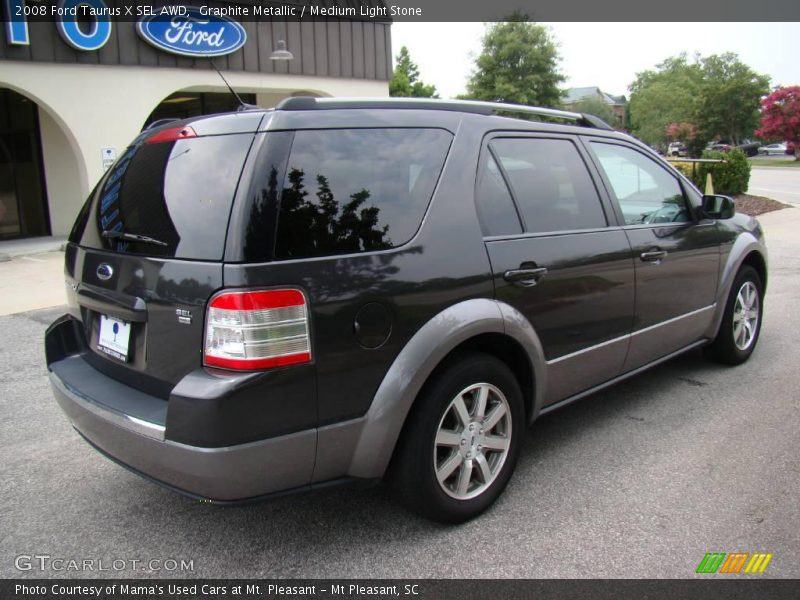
(74, 91)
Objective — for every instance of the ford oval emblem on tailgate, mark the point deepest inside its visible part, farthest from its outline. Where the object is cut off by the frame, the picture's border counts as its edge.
(105, 272)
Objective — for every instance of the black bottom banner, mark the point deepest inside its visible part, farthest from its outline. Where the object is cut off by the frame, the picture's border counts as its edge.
(412, 589)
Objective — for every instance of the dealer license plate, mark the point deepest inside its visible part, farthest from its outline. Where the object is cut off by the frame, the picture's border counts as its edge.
(114, 337)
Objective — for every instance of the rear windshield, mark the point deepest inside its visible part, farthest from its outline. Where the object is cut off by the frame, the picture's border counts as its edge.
(356, 190)
(178, 194)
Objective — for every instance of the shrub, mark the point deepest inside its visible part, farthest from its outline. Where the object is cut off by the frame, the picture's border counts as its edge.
(731, 177)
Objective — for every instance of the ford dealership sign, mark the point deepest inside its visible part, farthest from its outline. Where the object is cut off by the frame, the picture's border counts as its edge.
(192, 33)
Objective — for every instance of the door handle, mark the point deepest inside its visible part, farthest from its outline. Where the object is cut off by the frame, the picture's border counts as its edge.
(525, 277)
(653, 255)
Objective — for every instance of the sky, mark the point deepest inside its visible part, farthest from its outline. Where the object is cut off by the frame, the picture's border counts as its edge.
(607, 55)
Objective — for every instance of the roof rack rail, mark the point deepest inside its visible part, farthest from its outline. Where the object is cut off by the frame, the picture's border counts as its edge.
(298, 103)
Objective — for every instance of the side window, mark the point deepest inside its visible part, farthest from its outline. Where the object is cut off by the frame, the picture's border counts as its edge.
(646, 192)
(495, 205)
(357, 190)
(551, 184)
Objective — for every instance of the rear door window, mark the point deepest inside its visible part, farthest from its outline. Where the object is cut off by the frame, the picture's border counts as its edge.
(357, 190)
(496, 210)
(178, 193)
(551, 184)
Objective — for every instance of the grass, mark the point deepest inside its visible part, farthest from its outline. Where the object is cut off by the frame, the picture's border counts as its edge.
(766, 162)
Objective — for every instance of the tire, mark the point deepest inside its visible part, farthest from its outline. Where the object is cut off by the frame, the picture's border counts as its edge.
(445, 436)
(741, 325)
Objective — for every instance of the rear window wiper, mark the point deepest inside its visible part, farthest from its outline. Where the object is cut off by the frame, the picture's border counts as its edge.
(132, 237)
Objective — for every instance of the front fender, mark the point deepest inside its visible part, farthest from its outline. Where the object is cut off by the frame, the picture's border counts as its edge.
(747, 242)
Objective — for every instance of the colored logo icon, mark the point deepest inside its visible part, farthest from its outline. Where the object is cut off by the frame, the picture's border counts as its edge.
(737, 562)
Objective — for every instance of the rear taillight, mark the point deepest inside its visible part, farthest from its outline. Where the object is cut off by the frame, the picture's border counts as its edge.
(257, 330)
(172, 134)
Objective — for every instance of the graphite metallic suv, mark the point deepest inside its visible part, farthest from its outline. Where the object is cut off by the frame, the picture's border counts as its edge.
(346, 290)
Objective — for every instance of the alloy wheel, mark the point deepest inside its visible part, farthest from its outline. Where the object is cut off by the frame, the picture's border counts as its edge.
(745, 315)
(472, 441)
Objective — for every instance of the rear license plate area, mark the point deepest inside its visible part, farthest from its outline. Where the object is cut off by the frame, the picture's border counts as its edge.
(114, 337)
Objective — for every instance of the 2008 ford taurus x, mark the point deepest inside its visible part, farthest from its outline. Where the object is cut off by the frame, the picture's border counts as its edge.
(340, 290)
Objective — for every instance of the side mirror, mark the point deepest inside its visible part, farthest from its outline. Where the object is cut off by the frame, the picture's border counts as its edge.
(718, 207)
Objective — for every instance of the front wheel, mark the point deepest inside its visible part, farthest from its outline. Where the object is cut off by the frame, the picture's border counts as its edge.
(462, 440)
(741, 323)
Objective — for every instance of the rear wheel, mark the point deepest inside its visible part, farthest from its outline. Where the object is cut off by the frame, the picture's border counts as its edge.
(462, 440)
(741, 323)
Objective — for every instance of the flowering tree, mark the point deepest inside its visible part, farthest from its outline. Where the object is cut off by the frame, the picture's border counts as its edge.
(688, 134)
(780, 116)
(682, 132)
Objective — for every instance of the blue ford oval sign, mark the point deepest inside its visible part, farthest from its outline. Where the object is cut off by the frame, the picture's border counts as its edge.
(192, 32)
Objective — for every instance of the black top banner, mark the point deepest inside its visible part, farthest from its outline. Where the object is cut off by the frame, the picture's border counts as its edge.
(416, 10)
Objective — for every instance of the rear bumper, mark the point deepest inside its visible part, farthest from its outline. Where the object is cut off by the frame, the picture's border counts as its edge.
(181, 442)
(221, 474)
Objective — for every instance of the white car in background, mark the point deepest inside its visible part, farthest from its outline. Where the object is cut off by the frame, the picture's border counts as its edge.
(677, 149)
(772, 149)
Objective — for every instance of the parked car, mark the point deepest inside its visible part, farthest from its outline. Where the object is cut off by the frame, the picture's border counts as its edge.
(720, 147)
(749, 147)
(771, 149)
(790, 148)
(339, 291)
(677, 149)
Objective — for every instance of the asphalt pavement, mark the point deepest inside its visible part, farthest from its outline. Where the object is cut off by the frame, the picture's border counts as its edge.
(640, 480)
(778, 183)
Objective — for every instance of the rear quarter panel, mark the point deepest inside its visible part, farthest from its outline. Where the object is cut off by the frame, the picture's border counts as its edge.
(444, 263)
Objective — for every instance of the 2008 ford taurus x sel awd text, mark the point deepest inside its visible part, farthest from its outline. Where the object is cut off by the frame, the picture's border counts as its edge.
(344, 290)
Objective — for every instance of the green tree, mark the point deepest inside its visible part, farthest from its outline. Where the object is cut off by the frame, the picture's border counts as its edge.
(597, 107)
(405, 82)
(718, 96)
(729, 101)
(518, 64)
(664, 96)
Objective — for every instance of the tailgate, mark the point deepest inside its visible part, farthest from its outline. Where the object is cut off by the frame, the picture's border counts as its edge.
(146, 252)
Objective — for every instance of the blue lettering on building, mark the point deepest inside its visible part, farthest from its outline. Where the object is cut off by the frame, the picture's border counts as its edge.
(98, 33)
(17, 24)
(176, 29)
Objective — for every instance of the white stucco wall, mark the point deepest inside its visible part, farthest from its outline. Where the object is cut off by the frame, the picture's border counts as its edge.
(66, 188)
(84, 108)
